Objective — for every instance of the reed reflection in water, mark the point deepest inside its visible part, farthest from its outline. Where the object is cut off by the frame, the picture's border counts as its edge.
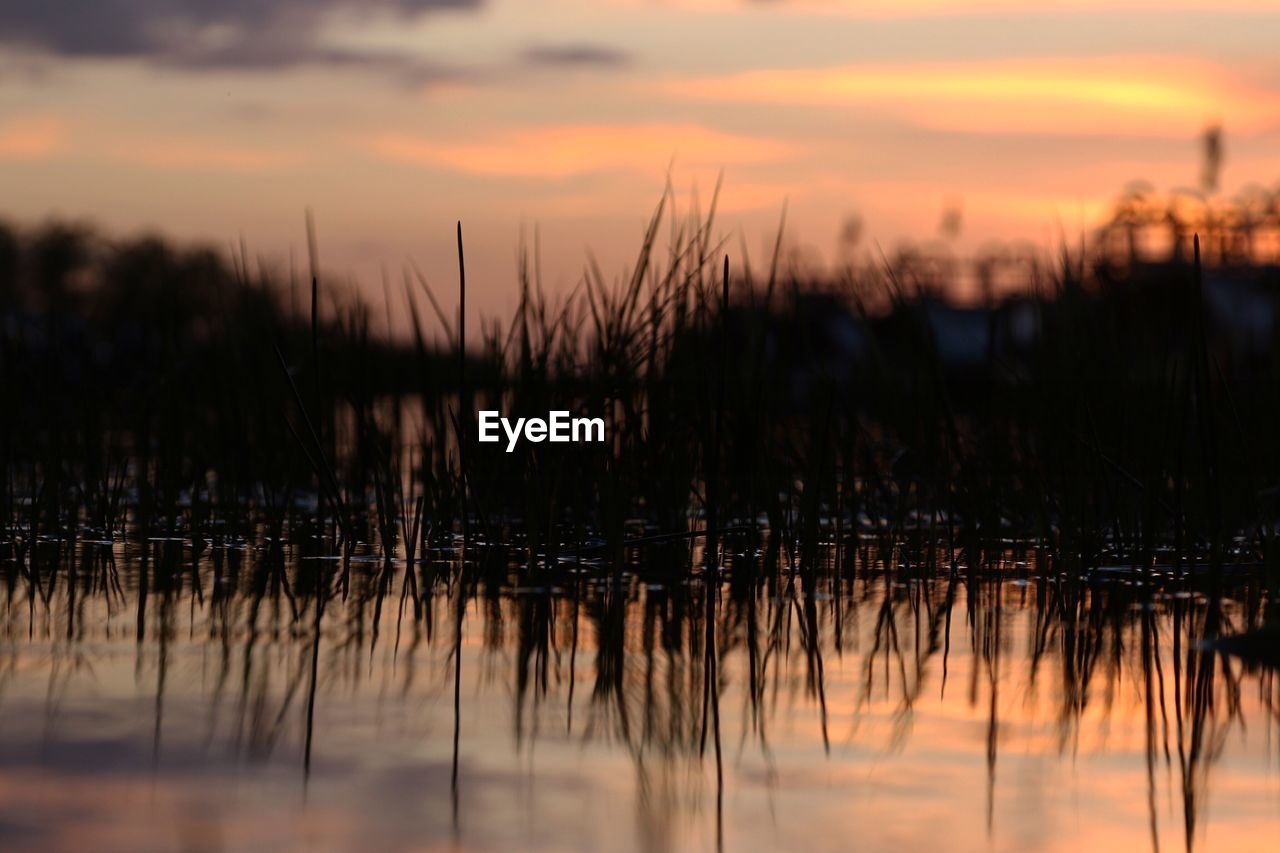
(183, 695)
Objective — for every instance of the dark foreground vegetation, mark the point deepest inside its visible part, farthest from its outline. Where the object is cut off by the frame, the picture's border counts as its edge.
(782, 453)
(1111, 408)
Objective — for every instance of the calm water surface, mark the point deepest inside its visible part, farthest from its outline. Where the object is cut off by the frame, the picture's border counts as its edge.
(155, 699)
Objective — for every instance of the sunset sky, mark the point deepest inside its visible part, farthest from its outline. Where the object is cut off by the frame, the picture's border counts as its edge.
(392, 119)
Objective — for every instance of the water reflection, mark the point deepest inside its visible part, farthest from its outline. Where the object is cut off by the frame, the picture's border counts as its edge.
(180, 694)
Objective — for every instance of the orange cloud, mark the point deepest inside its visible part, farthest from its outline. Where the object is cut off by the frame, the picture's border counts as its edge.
(205, 156)
(910, 8)
(557, 152)
(31, 137)
(1074, 96)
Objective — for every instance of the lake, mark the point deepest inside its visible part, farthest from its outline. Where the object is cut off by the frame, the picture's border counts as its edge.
(178, 695)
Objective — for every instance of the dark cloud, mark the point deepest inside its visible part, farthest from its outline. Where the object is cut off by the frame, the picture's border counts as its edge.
(244, 34)
(575, 54)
